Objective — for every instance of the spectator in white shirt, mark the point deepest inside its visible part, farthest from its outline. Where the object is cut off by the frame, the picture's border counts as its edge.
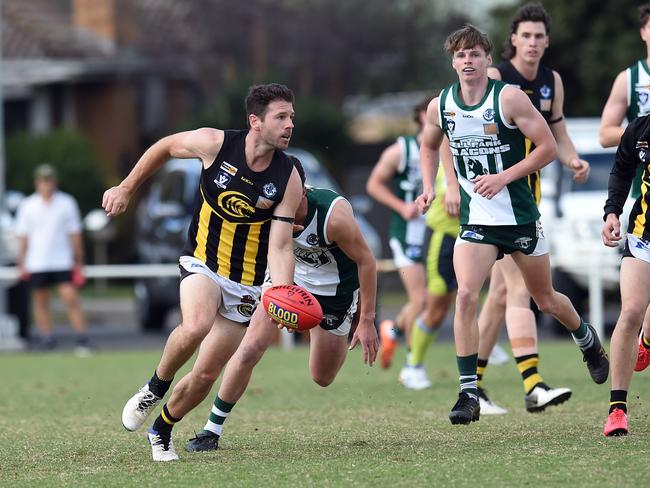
(51, 253)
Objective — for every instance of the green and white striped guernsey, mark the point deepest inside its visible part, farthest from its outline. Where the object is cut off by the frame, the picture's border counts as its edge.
(321, 267)
(638, 104)
(638, 90)
(408, 186)
(483, 142)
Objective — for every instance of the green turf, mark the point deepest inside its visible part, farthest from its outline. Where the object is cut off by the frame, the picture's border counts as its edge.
(60, 426)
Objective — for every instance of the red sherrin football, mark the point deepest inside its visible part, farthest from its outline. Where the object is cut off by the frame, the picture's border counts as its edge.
(292, 306)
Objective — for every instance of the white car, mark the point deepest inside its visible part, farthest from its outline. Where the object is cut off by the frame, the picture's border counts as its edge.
(572, 217)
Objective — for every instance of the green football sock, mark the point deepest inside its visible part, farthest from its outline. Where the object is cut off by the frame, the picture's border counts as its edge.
(421, 339)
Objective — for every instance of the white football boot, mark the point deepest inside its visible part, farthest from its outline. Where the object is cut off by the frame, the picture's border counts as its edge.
(414, 378)
(488, 407)
(161, 450)
(542, 396)
(138, 408)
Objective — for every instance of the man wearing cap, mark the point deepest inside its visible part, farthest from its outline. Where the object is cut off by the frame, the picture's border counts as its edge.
(51, 253)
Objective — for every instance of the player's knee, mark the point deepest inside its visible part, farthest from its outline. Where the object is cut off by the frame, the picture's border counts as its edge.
(195, 330)
(249, 354)
(632, 314)
(203, 380)
(322, 378)
(465, 298)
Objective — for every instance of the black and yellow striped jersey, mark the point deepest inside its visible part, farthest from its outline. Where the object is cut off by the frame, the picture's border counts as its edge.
(633, 151)
(541, 92)
(232, 214)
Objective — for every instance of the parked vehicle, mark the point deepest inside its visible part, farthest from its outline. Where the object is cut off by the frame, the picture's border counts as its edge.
(572, 217)
(163, 217)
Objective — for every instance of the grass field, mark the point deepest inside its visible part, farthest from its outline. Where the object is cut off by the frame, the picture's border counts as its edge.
(60, 426)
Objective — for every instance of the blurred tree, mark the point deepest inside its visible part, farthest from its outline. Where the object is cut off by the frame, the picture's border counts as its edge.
(69, 152)
(324, 48)
(590, 42)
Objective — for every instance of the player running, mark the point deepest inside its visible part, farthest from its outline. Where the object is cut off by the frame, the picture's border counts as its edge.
(487, 123)
(333, 262)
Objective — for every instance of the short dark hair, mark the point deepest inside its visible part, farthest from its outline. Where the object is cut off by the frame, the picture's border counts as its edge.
(466, 38)
(298, 165)
(644, 14)
(260, 96)
(421, 106)
(531, 12)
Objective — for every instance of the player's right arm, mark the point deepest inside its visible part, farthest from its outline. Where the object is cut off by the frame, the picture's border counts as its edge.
(452, 192)
(203, 144)
(430, 140)
(378, 182)
(614, 112)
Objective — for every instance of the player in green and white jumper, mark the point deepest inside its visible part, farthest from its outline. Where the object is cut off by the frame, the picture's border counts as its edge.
(396, 182)
(629, 97)
(332, 261)
(487, 123)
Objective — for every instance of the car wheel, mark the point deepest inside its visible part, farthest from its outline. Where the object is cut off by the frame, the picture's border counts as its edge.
(151, 316)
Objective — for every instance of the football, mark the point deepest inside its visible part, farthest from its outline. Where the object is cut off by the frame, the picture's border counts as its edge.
(292, 306)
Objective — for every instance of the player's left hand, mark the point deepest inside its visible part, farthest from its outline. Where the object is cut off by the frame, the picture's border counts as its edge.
(425, 200)
(366, 334)
(489, 185)
(580, 169)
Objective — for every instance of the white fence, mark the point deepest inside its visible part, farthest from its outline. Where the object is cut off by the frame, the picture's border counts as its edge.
(592, 261)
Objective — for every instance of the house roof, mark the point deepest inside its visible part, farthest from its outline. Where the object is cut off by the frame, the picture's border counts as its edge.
(42, 44)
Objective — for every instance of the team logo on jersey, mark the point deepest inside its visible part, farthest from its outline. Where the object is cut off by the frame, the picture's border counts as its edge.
(269, 190)
(451, 126)
(222, 179)
(545, 91)
(312, 258)
(264, 203)
(475, 166)
(312, 239)
(488, 115)
(643, 153)
(228, 168)
(523, 242)
(643, 97)
(235, 204)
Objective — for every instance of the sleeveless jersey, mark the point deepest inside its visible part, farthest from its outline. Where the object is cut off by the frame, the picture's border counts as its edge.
(541, 92)
(230, 226)
(408, 186)
(638, 90)
(321, 267)
(638, 104)
(437, 217)
(483, 142)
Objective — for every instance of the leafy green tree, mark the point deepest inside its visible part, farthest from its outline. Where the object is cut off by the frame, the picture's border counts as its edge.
(69, 152)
